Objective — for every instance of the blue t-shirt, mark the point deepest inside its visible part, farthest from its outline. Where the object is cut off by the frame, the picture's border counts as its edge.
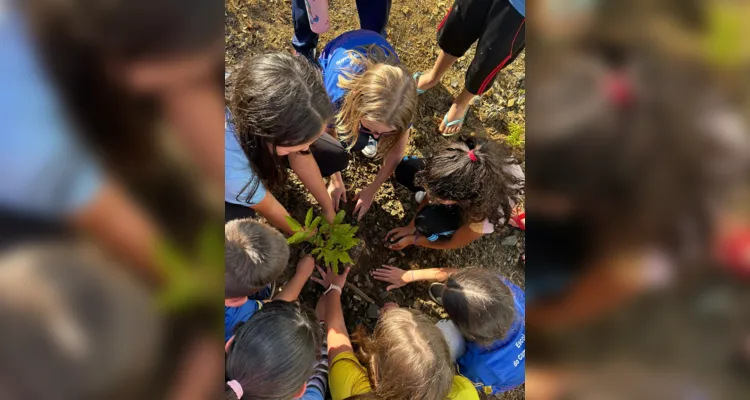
(336, 59)
(499, 367)
(235, 315)
(239, 178)
(520, 6)
(47, 171)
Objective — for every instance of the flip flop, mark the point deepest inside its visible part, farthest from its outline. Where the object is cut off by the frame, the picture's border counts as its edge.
(453, 123)
(416, 79)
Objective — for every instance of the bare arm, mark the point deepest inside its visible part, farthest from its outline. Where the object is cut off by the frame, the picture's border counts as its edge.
(391, 162)
(293, 288)
(274, 212)
(117, 223)
(307, 170)
(461, 238)
(338, 337)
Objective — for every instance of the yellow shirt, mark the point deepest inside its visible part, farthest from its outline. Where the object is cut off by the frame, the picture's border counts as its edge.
(347, 377)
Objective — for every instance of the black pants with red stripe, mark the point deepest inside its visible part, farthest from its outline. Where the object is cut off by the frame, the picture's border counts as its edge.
(500, 29)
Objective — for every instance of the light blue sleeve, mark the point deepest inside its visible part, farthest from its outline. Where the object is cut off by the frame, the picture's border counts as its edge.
(239, 177)
(46, 170)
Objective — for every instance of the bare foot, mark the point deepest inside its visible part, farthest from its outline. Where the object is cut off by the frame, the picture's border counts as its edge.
(457, 112)
(426, 81)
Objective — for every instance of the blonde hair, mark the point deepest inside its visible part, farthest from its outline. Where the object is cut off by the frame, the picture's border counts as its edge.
(407, 357)
(384, 92)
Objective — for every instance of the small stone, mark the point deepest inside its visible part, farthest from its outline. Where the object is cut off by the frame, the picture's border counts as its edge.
(357, 298)
(454, 83)
(356, 278)
(510, 241)
(511, 102)
(476, 101)
(392, 260)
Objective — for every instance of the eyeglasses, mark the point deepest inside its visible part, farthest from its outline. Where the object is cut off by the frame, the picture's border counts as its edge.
(363, 129)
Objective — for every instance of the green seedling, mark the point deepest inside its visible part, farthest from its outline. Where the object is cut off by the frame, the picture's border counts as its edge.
(332, 242)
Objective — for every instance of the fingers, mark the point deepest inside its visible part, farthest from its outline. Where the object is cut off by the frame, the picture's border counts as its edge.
(362, 212)
(346, 272)
(343, 195)
(320, 271)
(391, 232)
(317, 280)
(391, 287)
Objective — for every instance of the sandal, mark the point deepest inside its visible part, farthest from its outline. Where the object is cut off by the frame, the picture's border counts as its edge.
(519, 220)
(449, 124)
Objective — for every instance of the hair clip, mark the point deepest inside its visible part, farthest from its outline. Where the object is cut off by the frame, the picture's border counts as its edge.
(472, 156)
(236, 387)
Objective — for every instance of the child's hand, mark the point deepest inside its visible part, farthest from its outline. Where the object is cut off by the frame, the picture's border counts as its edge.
(337, 190)
(328, 277)
(398, 233)
(402, 243)
(397, 277)
(364, 201)
(306, 266)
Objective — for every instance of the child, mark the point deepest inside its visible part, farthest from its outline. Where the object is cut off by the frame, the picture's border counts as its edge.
(278, 113)
(406, 357)
(375, 100)
(274, 354)
(470, 188)
(256, 255)
(500, 28)
(311, 19)
(487, 310)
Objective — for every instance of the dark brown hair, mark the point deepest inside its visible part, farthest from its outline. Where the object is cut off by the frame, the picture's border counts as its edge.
(276, 100)
(255, 255)
(480, 304)
(483, 188)
(274, 352)
(406, 357)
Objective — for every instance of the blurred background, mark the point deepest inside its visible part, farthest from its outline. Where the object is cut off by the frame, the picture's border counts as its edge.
(111, 121)
(638, 246)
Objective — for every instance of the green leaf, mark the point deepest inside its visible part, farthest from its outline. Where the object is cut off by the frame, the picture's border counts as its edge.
(297, 238)
(315, 222)
(344, 258)
(327, 257)
(309, 217)
(315, 251)
(339, 217)
(296, 227)
(320, 255)
(335, 266)
(354, 230)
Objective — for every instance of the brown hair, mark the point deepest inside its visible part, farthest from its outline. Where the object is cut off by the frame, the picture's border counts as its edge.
(384, 92)
(480, 304)
(406, 357)
(255, 255)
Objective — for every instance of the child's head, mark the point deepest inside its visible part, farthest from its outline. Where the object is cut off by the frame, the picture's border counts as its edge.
(407, 357)
(480, 304)
(279, 106)
(380, 101)
(471, 174)
(273, 353)
(255, 255)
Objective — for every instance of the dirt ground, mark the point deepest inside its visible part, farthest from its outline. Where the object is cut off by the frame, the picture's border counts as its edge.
(254, 27)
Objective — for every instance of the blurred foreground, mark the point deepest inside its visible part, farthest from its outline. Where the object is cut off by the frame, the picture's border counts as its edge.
(638, 199)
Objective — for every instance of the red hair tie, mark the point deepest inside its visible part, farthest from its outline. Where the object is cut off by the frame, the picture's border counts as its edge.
(472, 156)
(619, 90)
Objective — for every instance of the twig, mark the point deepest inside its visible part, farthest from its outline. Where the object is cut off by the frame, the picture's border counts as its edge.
(359, 292)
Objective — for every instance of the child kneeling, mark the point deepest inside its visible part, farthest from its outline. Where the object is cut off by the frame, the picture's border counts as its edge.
(486, 330)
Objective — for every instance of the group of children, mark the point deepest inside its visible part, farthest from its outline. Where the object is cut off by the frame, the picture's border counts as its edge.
(305, 114)
(279, 349)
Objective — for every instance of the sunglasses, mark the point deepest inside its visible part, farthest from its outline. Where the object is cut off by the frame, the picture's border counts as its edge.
(363, 129)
